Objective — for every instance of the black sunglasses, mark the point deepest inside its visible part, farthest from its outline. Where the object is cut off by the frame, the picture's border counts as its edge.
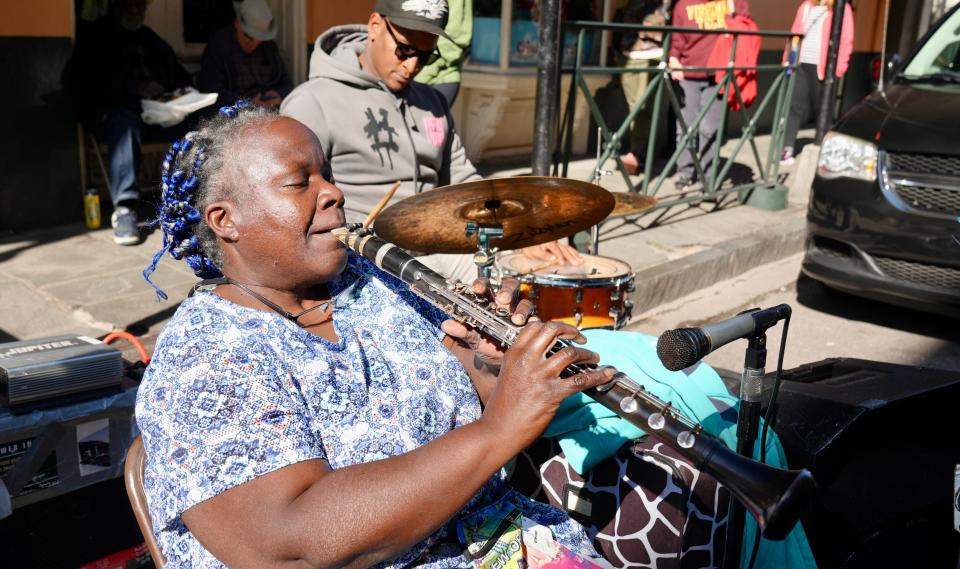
(405, 51)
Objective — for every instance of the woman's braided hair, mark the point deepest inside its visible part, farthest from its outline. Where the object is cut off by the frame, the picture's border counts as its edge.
(190, 180)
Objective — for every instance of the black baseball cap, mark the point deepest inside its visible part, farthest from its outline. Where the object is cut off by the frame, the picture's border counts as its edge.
(422, 15)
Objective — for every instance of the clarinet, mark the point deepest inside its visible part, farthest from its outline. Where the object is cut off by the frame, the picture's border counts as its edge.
(775, 497)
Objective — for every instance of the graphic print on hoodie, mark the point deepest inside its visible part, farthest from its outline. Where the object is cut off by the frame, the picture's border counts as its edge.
(373, 128)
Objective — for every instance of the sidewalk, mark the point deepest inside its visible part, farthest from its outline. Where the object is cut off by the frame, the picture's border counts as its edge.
(69, 280)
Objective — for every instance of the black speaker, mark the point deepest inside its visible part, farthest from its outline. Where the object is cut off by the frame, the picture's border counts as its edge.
(881, 441)
(71, 530)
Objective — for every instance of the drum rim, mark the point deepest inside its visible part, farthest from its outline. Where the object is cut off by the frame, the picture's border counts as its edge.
(567, 281)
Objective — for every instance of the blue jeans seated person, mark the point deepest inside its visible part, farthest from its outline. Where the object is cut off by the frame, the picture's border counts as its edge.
(123, 132)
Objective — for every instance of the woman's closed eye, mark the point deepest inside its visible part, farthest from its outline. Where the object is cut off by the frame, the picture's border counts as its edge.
(301, 180)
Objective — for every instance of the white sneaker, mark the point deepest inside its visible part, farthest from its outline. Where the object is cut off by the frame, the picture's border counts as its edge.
(125, 230)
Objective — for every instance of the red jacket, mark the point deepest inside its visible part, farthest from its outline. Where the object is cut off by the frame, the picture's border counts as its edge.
(692, 49)
(846, 38)
(748, 50)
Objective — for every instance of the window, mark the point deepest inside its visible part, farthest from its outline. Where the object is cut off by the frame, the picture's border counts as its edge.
(518, 21)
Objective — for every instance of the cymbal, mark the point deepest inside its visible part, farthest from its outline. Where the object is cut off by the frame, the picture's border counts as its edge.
(630, 203)
(531, 209)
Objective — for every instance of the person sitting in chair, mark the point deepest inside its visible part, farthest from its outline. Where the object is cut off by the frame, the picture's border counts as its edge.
(310, 410)
(117, 62)
(377, 125)
(243, 60)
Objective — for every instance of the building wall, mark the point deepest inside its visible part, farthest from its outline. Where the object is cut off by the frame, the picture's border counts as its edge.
(39, 160)
(322, 14)
(37, 18)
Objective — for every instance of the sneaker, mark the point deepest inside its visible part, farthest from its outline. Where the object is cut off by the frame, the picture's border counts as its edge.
(125, 230)
(682, 182)
(787, 159)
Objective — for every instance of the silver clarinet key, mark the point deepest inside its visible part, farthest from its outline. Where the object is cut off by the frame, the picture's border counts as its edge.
(656, 421)
(629, 404)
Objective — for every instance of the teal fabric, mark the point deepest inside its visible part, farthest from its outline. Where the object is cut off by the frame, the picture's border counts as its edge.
(588, 432)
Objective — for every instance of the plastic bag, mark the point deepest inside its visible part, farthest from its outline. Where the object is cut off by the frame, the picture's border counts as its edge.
(173, 111)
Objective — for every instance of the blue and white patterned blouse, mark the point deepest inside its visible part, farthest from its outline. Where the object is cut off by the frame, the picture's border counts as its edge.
(233, 393)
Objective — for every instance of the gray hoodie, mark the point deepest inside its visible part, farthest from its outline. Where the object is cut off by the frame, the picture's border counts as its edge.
(371, 136)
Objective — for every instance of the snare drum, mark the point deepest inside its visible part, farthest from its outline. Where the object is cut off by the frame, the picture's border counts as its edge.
(591, 295)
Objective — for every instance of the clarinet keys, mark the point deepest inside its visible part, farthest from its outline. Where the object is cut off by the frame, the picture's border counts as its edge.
(656, 421)
(629, 404)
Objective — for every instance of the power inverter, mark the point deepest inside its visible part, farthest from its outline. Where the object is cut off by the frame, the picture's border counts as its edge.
(50, 371)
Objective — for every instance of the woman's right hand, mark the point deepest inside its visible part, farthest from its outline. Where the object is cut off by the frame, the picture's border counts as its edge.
(530, 389)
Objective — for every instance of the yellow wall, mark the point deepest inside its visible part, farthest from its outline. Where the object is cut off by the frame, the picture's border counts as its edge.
(37, 18)
(322, 14)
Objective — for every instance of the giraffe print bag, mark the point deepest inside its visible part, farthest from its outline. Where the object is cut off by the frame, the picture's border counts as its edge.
(644, 507)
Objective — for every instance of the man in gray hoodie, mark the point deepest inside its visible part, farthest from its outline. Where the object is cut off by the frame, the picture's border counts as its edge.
(377, 126)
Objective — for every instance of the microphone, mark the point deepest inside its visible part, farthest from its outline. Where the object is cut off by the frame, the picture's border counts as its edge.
(681, 348)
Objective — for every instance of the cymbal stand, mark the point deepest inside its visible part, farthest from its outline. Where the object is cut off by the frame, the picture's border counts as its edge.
(598, 174)
(485, 255)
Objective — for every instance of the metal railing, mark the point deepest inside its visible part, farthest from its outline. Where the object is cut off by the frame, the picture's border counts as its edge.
(660, 88)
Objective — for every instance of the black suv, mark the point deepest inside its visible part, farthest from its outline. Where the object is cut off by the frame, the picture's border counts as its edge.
(884, 206)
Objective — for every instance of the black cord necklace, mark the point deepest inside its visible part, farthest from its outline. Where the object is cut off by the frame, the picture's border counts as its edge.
(266, 301)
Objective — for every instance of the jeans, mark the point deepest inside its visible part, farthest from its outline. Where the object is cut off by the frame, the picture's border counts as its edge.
(807, 89)
(121, 130)
(696, 96)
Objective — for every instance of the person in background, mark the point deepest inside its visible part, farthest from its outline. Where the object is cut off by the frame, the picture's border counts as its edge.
(378, 126)
(453, 47)
(693, 50)
(309, 410)
(640, 50)
(117, 61)
(243, 60)
(814, 20)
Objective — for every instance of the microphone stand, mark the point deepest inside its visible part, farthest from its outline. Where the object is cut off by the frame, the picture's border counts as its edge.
(748, 427)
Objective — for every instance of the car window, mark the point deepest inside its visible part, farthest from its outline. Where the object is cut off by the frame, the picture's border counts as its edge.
(941, 53)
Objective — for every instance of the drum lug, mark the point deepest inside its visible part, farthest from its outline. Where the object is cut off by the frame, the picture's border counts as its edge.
(578, 317)
(627, 308)
(615, 294)
(630, 286)
(579, 296)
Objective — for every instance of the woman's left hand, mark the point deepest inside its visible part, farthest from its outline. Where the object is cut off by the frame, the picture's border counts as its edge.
(486, 350)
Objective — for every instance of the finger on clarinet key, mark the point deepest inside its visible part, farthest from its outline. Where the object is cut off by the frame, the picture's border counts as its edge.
(523, 313)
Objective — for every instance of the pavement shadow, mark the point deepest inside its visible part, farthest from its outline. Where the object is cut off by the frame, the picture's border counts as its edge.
(143, 326)
(39, 237)
(819, 297)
